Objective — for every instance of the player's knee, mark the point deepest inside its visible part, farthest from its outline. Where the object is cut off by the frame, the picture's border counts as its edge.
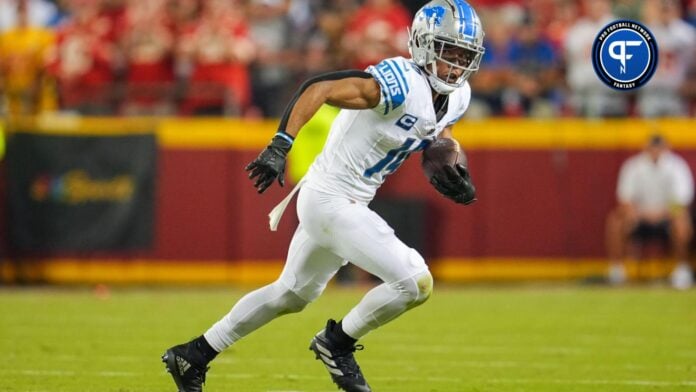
(288, 301)
(416, 289)
(294, 302)
(424, 282)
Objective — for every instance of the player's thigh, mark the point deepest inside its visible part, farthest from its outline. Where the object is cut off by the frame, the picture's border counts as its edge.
(309, 266)
(363, 238)
(357, 234)
(366, 240)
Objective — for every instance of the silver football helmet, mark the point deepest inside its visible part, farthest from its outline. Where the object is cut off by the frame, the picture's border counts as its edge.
(448, 31)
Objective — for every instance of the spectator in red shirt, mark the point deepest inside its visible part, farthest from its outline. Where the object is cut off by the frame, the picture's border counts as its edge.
(377, 30)
(183, 12)
(214, 53)
(84, 58)
(147, 41)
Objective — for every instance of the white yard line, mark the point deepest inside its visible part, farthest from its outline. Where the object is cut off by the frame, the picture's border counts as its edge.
(478, 364)
(438, 349)
(68, 373)
(550, 350)
(232, 359)
(541, 381)
(647, 383)
(31, 372)
(650, 383)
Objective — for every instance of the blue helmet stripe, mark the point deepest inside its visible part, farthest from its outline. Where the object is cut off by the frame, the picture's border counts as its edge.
(474, 22)
(465, 26)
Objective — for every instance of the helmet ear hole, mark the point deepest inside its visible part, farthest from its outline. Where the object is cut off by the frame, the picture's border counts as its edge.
(424, 42)
(418, 47)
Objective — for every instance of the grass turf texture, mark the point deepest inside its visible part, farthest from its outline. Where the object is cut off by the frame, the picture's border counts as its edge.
(474, 339)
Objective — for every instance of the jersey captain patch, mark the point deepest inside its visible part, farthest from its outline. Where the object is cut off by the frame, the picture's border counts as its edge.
(406, 122)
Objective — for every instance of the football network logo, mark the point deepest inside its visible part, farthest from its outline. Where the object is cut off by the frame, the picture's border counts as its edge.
(621, 55)
(624, 55)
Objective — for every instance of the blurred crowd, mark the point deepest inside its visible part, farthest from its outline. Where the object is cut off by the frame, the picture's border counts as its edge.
(246, 57)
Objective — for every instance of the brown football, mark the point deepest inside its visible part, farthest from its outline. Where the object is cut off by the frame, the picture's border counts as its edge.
(440, 153)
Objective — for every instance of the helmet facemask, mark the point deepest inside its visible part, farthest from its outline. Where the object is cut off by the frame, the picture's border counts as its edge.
(461, 58)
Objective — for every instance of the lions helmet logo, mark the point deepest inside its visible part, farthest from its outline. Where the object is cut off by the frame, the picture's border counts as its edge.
(434, 14)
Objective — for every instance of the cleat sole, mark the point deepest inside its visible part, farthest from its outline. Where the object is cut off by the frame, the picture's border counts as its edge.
(171, 367)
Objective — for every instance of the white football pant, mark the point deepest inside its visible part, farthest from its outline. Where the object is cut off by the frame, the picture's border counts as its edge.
(333, 231)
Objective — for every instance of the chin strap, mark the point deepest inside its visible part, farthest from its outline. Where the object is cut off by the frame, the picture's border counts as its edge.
(439, 86)
(436, 84)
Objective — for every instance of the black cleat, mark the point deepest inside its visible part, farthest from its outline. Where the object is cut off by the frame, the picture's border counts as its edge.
(183, 363)
(339, 361)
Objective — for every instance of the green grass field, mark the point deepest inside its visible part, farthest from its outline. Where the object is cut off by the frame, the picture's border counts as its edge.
(499, 339)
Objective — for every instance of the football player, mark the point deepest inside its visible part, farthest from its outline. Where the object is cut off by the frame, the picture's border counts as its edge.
(389, 111)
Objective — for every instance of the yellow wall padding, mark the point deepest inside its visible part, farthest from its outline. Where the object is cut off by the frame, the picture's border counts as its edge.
(225, 133)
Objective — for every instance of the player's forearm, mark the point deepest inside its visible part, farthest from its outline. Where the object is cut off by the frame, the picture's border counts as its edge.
(305, 107)
(317, 91)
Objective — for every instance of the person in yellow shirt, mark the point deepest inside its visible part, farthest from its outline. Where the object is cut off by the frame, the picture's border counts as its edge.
(310, 141)
(23, 51)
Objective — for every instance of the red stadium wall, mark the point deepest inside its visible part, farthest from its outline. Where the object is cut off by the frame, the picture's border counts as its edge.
(535, 203)
(541, 197)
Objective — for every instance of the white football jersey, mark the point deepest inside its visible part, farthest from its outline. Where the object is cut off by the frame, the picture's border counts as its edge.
(365, 146)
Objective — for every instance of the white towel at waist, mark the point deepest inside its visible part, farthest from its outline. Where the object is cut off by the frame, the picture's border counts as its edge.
(277, 211)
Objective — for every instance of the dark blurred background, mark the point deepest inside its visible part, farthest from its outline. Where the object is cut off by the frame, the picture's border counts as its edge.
(245, 58)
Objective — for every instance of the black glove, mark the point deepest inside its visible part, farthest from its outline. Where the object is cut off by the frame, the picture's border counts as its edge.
(455, 184)
(270, 164)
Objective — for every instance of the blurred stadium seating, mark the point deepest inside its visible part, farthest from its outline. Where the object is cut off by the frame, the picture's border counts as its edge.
(245, 57)
(207, 78)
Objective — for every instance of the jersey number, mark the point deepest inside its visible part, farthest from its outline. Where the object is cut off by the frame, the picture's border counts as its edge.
(396, 157)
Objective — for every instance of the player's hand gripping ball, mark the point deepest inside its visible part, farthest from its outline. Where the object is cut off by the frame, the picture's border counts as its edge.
(445, 165)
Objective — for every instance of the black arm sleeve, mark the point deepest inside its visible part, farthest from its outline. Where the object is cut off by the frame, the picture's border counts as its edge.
(319, 78)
